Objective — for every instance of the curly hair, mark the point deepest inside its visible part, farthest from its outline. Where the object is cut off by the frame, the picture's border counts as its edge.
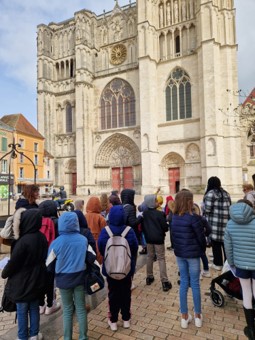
(30, 192)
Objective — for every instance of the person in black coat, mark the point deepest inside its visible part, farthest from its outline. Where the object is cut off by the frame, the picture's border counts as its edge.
(26, 273)
(154, 227)
(48, 209)
(127, 199)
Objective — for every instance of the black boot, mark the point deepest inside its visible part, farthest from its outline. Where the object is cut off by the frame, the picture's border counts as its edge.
(249, 330)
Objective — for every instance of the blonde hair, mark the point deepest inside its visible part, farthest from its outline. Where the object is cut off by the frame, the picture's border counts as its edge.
(79, 205)
(196, 209)
(183, 202)
(171, 205)
(160, 199)
(104, 201)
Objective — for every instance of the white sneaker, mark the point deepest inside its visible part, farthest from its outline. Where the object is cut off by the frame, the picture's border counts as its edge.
(113, 325)
(50, 310)
(42, 309)
(213, 266)
(126, 324)
(198, 321)
(184, 322)
(206, 273)
(133, 286)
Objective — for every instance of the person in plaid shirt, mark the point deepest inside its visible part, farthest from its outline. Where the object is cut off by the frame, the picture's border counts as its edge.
(217, 202)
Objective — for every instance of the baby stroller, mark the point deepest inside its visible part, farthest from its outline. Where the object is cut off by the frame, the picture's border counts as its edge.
(229, 283)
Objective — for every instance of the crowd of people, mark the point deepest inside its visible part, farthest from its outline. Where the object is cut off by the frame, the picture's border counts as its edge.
(40, 262)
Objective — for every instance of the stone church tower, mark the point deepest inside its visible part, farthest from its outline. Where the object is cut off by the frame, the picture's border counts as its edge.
(131, 98)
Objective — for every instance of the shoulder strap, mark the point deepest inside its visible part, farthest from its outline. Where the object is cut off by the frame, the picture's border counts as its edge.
(125, 231)
(108, 230)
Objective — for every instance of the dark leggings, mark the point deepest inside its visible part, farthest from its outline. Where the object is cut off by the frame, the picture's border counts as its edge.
(219, 256)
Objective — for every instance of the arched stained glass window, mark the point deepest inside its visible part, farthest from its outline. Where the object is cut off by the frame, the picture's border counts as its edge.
(69, 118)
(178, 96)
(117, 105)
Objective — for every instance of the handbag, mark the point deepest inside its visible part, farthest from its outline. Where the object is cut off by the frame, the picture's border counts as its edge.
(7, 305)
(94, 280)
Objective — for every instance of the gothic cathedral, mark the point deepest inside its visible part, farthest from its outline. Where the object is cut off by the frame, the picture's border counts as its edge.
(135, 97)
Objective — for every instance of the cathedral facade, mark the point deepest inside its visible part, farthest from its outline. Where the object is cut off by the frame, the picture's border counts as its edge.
(135, 97)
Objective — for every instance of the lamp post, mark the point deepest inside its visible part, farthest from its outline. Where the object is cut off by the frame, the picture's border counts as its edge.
(13, 154)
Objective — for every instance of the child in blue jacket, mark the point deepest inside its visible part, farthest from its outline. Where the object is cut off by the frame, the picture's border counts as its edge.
(69, 253)
(119, 291)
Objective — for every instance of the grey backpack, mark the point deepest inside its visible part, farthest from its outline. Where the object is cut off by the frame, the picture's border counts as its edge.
(117, 257)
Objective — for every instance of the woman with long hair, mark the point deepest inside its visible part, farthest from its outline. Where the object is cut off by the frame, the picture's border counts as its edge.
(217, 202)
(189, 245)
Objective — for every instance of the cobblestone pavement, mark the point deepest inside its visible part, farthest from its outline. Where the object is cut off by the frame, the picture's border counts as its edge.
(155, 314)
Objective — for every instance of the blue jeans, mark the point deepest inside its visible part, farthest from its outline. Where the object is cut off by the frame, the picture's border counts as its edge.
(23, 310)
(74, 297)
(189, 275)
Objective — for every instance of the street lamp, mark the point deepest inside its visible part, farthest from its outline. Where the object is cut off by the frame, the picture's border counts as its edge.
(13, 154)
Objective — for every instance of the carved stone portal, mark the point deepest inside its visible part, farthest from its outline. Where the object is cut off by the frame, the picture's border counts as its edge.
(118, 150)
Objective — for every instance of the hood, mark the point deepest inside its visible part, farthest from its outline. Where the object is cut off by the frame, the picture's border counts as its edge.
(241, 213)
(22, 202)
(116, 216)
(127, 196)
(81, 218)
(30, 222)
(93, 205)
(169, 198)
(68, 223)
(48, 208)
(150, 201)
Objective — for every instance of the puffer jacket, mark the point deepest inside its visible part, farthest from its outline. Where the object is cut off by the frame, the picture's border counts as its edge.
(239, 238)
(26, 270)
(117, 226)
(127, 199)
(68, 251)
(154, 223)
(188, 237)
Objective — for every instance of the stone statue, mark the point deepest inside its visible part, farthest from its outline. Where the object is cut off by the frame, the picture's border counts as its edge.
(168, 14)
(176, 12)
(161, 14)
(184, 18)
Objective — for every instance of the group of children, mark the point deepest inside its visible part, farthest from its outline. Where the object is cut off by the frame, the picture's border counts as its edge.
(67, 254)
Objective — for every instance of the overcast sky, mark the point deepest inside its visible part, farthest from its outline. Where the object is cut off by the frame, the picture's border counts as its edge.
(18, 27)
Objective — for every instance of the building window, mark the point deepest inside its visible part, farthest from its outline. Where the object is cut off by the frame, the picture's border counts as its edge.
(178, 96)
(252, 151)
(48, 174)
(36, 173)
(117, 105)
(35, 147)
(21, 172)
(4, 144)
(21, 158)
(4, 166)
(69, 118)
(36, 159)
(21, 143)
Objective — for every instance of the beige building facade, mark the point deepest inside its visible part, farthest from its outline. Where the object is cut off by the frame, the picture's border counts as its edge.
(131, 98)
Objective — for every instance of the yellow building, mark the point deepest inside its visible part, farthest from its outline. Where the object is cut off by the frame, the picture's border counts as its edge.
(28, 165)
(6, 177)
